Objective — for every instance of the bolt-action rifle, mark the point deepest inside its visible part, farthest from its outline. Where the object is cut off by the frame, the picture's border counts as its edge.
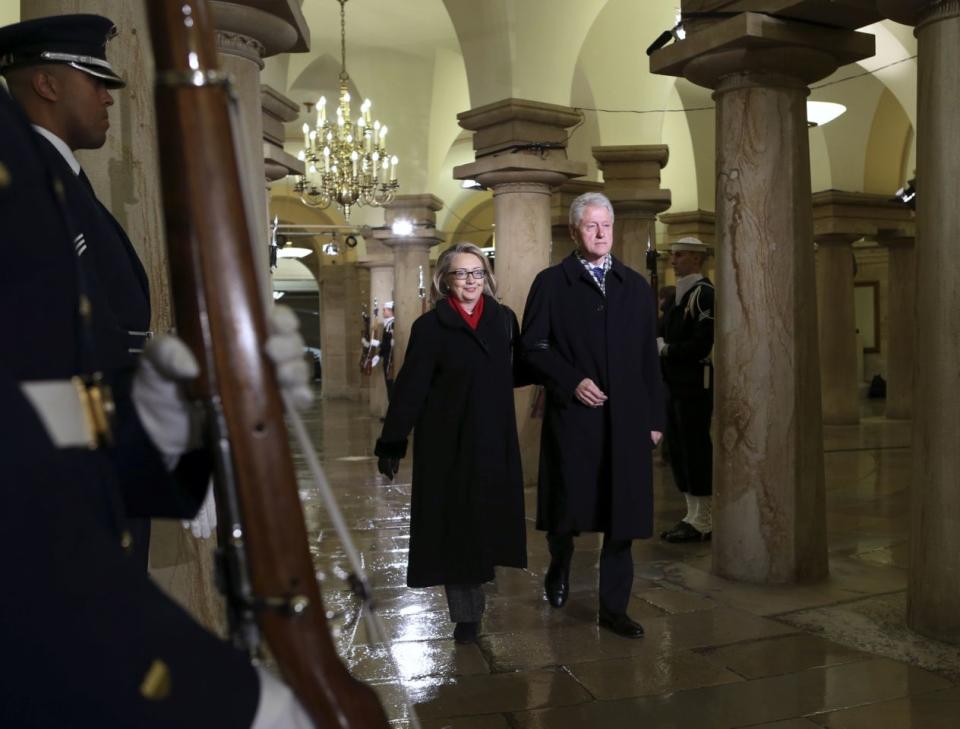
(220, 313)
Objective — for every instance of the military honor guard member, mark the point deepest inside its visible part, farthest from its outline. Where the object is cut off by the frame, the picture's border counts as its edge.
(87, 443)
(589, 332)
(685, 349)
(56, 69)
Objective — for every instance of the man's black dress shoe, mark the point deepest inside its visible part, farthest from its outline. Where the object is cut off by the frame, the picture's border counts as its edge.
(556, 584)
(684, 532)
(466, 633)
(619, 623)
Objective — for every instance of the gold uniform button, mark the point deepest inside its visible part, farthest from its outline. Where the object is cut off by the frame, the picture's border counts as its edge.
(126, 540)
(4, 176)
(156, 682)
(58, 189)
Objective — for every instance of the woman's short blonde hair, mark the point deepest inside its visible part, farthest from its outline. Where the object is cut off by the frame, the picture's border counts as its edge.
(440, 289)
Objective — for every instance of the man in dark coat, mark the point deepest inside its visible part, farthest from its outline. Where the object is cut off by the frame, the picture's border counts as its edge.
(685, 355)
(56, 68)
(88, 639)
(589, 330)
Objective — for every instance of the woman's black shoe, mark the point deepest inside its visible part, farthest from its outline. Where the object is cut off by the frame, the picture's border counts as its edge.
(556, 584)
(465, 633)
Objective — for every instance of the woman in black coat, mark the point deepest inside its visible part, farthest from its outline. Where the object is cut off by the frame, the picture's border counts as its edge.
(455, 389)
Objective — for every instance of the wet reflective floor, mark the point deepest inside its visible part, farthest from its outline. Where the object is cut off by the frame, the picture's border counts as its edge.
(715, 654)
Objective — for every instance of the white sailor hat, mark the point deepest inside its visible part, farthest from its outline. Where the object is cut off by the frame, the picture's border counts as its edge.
(79, 41)
(387, 304)
(690, 243)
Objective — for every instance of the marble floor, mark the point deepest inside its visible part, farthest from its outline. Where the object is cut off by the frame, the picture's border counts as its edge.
(716, 653)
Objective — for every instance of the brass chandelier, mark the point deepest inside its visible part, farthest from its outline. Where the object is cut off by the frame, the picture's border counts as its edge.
(346, 161)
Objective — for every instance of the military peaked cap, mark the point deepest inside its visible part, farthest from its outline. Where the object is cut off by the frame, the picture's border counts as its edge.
(79, 41)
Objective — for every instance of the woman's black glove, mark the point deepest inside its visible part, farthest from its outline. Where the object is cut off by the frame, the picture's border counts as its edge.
(388, 466)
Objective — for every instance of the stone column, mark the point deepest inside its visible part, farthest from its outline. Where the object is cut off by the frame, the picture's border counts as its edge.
(379, 261)
(839, 219)
(411, 262)
(701, 224)
(521, 155)
(277, 109)
(334, 332)
(357, 279)
(933, 594)
(561, 242)
(769, 520)
(247, 31)
(901, 323)
(631, 177)
(840, 393)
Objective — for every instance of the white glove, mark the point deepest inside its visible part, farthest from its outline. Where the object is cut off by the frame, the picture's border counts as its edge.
(375, 361)
(205, 522)
(374, 342)
(661, 345)
(285, 347)
(160, 403)
(278, 707)
(364, 342)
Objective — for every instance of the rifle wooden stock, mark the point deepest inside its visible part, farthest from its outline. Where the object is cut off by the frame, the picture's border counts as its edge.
(221, 315)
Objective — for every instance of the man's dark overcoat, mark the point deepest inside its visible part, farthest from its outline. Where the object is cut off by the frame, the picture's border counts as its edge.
(595, 463)
(455, 391)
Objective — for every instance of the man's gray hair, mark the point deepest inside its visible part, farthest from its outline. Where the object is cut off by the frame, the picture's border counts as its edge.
(588, 200)
(444, 262)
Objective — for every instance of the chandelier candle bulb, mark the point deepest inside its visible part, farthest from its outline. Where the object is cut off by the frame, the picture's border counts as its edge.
(353, 151)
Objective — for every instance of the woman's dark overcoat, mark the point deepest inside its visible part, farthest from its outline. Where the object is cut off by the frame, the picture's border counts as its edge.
(455, 390)
(595, 463)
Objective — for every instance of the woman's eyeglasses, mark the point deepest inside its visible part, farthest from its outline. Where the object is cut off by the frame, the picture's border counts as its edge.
(461, 274)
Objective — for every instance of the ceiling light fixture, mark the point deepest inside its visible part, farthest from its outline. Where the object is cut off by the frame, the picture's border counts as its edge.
(346, 161)
(823, 112)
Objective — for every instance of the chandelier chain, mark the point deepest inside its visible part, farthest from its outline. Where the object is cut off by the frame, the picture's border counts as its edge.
(345, 159)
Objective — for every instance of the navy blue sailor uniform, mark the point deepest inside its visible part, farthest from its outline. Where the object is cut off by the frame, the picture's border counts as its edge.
(88, 639)
(688, 330)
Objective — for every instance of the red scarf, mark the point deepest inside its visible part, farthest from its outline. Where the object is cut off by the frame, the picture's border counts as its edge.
(471, 319)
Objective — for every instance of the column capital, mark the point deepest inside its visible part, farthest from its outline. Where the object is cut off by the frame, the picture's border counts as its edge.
(700, 224)
(277, 26)
(860, 214)
(420, 209)
(762, 50)
(277, 109)
(378, 254)
(631, 176)
(918, 12)
(425, 238)
(512, 123)
(635, 161)
(895, 239)
(517, 167)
